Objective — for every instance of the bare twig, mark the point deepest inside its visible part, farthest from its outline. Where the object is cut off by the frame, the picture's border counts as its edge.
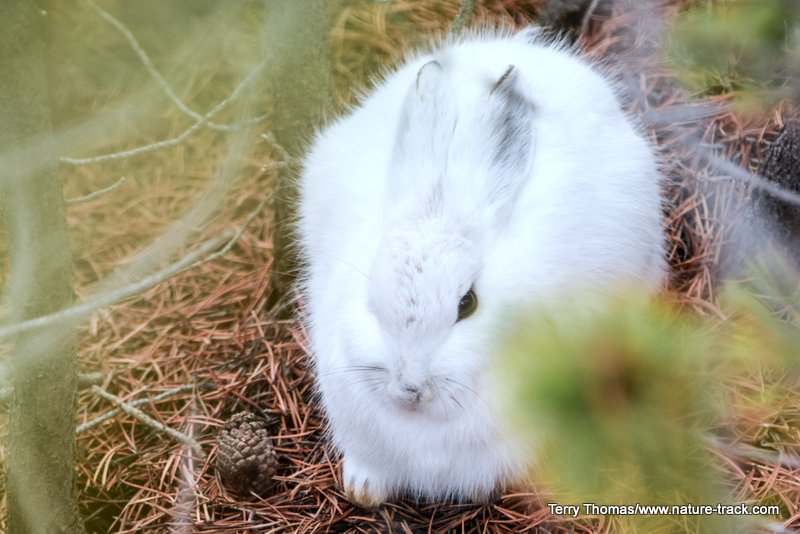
(101, 301)
(285, 161)
(113, 413)
(149, 421)
(194, 259)
(737, 173)
(465, 11)
(720, 164)
(158, 77)
(224, 250)
(168, 143)
(275, 165)
(269, 137)
(96, 194)
(175, 141)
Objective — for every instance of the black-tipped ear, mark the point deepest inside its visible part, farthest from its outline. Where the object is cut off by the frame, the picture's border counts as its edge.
(507, 80)
(510, 126)
(511, 117)
(425, 129)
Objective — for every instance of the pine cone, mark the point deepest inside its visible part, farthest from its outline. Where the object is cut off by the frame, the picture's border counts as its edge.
(246, 460)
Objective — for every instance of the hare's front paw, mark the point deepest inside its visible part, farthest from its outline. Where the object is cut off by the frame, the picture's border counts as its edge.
(362, 486)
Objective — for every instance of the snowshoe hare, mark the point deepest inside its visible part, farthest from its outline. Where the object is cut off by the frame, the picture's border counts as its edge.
(497, 171)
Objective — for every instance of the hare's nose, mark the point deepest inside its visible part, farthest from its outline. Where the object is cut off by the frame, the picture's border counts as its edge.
(410, 395)
(412, 390)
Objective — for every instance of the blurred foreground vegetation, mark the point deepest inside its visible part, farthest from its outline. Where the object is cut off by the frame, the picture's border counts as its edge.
(750, 48)
(629, 404)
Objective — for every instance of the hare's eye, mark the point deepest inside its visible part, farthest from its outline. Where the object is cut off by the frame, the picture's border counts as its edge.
(467, 305)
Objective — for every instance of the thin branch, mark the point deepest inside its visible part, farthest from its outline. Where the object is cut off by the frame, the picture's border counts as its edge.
(157, 76)
(269, 137)
(81, 310)
(737, 173)
(194, 259)
(136, 151)
(285, 161)
(224, 250)
(113, 413)
(722, 165)
(134, 412)
(96, 194)
(168, 143)
(465, 11)
(276, 165)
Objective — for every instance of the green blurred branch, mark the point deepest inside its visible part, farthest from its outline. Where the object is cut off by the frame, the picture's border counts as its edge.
(302, 89)
(40, 465)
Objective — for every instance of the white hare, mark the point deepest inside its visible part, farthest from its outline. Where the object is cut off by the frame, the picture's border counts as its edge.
(495, 172)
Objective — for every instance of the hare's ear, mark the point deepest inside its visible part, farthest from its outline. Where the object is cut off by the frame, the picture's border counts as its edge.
(509, 124)
(425, 131)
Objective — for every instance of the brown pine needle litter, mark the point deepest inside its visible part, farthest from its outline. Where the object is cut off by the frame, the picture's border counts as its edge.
(201, 346)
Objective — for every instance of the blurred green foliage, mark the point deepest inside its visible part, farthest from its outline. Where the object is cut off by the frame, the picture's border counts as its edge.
(747, 47)
(620, 403)
(617, 400)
